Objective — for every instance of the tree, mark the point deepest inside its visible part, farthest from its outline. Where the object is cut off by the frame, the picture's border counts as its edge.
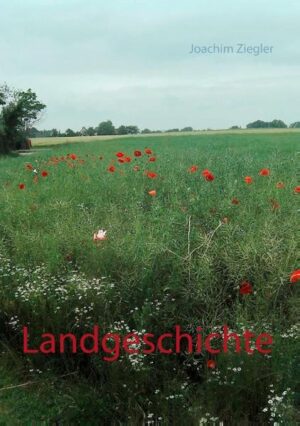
(30, 107)
(145, 131)
(127, 130)
(122, 130)
(259, 124)
(20, 110)
(70, 133)
(132, 130)
(187, 129)
(91, 131)
(295, 125)
(278, 124)
(106, 128)
(54, 133)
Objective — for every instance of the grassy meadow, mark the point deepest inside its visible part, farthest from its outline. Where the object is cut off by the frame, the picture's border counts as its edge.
(176, 255)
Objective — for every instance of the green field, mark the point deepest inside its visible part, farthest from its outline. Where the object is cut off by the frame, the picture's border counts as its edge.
(40, 142)
(177, 257)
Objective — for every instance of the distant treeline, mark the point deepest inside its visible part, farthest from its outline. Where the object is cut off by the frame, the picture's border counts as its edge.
(107, 128)
(103, 129)
(275, 124)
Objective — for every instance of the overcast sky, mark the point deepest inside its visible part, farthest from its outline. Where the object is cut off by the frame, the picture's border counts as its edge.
(129, 61)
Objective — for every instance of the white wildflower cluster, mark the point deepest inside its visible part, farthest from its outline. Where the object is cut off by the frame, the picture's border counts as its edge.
(72, 293)
(292, 333)
(224, 377)
(192, 362)
(156, 305)
(153, 420)
(14, 323)
(277, 405)
(174, 396)
(208, 418)
(35, 371)
(136, 359)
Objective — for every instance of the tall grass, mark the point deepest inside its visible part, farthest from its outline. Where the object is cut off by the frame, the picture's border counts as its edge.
(176, 258)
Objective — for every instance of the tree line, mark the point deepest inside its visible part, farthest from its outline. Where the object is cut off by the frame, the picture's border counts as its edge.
(275, 124)
(105, 128)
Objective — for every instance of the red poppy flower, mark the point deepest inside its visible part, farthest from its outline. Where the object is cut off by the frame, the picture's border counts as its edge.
(127, 159)
(148, 151)
(246, 288)
(121, 160)
(152, 193)
(137, 153)
(280, 185)
(111, 169)
(44, 173)
(248, 180)
(235, 201)
(151, 175)
(297, 189)
(211, 363)
(295, 276)
(264, 172)
(152, 159)
(120, 154)
(21, 185)
(193, 169)
(29, 166)
(72, 156)
(208, 175)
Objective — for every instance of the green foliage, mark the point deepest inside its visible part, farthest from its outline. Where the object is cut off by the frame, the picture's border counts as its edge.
(275, 124)
(70, 133)
(295, 125)
(105, 128)
(20, 109)
(91, 131)
(127, 130)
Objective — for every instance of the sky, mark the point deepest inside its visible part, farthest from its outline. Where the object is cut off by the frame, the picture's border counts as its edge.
(129, 61)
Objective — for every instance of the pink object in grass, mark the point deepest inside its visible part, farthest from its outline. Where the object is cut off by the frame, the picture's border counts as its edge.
(100, 235)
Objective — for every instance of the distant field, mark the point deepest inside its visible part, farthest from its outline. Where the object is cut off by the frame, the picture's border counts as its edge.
(54, 141)
(201, 231)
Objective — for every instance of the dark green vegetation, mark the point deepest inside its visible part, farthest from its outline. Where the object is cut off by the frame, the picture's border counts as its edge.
(170, 259)
(275, 124)
(18, 111)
